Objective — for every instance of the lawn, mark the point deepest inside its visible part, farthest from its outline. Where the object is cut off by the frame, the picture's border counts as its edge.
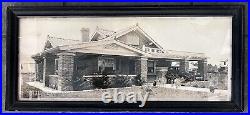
(156, 93)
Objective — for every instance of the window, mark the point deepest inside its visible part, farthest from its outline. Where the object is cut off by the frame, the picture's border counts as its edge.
(56, 66)
(106, 65)
(147, 49)
(151, 67)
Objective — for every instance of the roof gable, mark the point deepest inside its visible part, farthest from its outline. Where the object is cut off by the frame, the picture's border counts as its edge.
(48, 45)
(101, 33)
(123, 32)
(110, 48)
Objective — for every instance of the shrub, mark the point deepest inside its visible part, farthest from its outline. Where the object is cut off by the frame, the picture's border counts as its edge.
(83, 84)
(102, 82)
(138, 81)
(122, 81)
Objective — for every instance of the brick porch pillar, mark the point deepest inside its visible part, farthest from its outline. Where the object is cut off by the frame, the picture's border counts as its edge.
(202, 68)
(184, 65)
(44, 70)
(65, 71)
(141, 68)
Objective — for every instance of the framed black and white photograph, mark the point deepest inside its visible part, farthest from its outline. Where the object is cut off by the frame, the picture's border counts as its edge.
(125, 58)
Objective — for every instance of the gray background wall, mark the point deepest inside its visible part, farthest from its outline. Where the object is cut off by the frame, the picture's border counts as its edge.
(6, 4)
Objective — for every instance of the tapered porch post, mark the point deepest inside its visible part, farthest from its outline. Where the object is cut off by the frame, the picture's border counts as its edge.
(44, 70)
(184, 65)
(142, 68)
(202, 68)
(65, 71)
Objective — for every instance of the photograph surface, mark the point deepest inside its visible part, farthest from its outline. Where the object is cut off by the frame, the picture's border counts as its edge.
(125, 59)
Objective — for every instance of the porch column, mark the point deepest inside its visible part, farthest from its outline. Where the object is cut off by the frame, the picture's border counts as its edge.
(44, 70)
(65, 71)
(36, 70)
(141, 68)
(202, 68)
(184, 65)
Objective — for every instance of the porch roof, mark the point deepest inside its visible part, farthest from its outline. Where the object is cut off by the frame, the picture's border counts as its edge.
(55, 41)
(96, 47)
(173, 54)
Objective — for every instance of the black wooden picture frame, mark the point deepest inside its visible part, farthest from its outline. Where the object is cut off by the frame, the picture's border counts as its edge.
(238, 56)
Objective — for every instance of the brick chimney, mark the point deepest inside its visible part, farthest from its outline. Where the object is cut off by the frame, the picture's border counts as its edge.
(85, 34)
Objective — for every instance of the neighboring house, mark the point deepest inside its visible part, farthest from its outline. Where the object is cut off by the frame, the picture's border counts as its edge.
(130, 51)
(223, 66)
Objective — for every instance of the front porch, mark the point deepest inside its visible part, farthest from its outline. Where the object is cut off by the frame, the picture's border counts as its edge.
(65, 71)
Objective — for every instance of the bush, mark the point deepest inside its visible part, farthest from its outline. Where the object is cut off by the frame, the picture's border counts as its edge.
(122, 81)
(83, 84)
(138, 81)
(102, 82)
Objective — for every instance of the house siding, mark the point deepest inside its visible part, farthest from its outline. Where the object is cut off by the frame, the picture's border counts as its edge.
(135, 39)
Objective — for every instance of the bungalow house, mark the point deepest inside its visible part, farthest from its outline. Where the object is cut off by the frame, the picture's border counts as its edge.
(129, 51)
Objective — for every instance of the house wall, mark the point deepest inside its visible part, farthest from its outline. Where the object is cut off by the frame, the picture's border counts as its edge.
(86, 65)
(162, 63)
(136, 40)
(131, 38)
(125, 66)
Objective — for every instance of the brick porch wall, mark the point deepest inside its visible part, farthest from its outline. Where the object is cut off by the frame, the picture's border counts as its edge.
(65, 71)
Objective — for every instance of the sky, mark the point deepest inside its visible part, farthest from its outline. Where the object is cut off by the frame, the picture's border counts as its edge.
(209, 35)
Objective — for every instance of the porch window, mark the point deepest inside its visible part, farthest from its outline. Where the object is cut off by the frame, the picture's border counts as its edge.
(106, 65)
(56, 66)
(151, 67)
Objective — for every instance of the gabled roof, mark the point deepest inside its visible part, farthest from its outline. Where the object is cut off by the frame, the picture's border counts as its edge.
(110, 37)
(54, 41)
(103, 33)
(115, 35)
(173, 54)
(138, 28)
